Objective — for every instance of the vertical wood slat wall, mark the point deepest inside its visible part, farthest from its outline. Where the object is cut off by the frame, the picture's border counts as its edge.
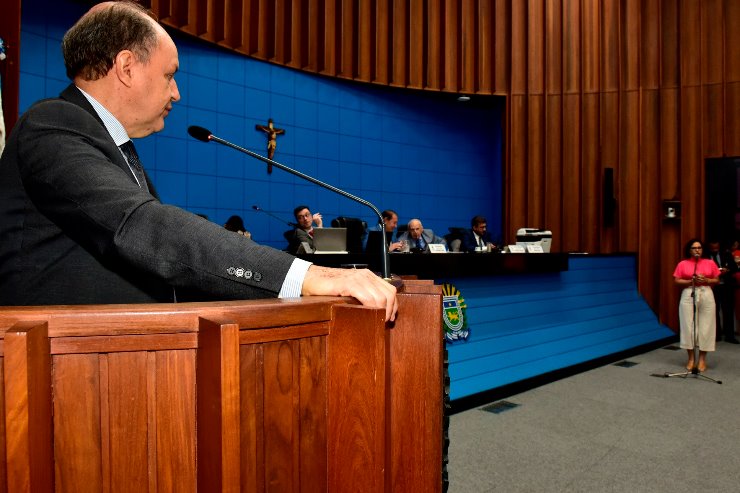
(649, 88)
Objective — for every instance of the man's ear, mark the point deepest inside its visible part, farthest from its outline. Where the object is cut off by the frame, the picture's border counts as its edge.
(123, 64)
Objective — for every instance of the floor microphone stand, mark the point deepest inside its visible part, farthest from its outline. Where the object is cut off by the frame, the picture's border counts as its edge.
(695, 368)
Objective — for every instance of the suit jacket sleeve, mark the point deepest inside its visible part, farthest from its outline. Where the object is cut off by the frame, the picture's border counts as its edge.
(76, 177)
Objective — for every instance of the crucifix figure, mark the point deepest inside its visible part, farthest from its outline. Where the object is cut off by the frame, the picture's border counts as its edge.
(272, 134)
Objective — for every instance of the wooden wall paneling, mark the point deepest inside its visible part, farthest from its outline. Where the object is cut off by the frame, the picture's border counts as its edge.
(283, 30)
(3, 457)
(282, 430)
(591, 170)
(691, 163)
(609, 144)
(10, 27)
(434, 77)
(535, 160)
(198, 19)
(312, 411)
(28, 405)
(215, 15)
(357, 417)
(519, 63)
(328, 38)
(296, 37)
(536, 47)
(347, 41)
(689, 36)
(670, 244)
(611, 45)
(468, 46)
(78, 423)
(650, 44)
(731, 40)
(712, 41)
(630, 52)
(451, 73)
(732, 118)
(233, 22)
(128, 423)
(516, 170)
(571, 194)
(365, 41)
(399, 46)
(383, 57)
(174, 384)
(572, 55)
(553, 47)
(650, 210)
(591, 47)
(416, 362)
(669, 141)
(253, 410)
(484, 60)
(502, 47)
(669, 44)
(553, 169)
(711, 120)
(417, 43)
(629, 177)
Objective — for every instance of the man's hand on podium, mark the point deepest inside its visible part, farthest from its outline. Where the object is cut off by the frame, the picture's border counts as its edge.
(369, 289)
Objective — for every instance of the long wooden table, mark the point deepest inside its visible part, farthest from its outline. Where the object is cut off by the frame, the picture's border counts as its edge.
(316, 394)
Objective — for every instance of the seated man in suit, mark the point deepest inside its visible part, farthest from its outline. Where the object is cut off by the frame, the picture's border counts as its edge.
(390, 221)
(304, 229)
(477, 237)
(419, 238)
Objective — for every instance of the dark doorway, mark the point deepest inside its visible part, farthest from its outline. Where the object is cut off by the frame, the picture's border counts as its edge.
(722, 195)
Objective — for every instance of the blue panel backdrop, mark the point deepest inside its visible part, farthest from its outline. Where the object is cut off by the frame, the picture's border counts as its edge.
(424, 155)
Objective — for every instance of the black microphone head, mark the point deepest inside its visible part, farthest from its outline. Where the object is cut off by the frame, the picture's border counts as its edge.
(256, 207)
(199, 133)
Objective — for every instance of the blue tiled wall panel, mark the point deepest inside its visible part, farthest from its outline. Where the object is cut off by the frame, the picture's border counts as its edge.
(424, 155)
(526, 325)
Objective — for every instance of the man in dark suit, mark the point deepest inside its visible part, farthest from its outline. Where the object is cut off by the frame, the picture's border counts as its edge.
(80, 221)
(724, 292)
(477, 237)
(419, 238)
(304, 228)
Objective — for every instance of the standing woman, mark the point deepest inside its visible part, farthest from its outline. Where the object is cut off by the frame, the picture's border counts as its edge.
(696, 275)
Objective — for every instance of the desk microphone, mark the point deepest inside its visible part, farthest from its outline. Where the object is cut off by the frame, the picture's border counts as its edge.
(204, 135)
(260, 209)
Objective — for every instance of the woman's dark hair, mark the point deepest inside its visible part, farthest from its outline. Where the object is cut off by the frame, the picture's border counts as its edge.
(687, 247)
(235, 223)
(91, 45)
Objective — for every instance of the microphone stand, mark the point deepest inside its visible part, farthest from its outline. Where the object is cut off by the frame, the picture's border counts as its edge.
(260, 209)
(204, 135)
(695, 369)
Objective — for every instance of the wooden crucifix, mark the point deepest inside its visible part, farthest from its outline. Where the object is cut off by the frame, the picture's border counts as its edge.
(272, 134)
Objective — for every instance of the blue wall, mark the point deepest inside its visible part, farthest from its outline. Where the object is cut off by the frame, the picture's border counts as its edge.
(524, 325)
(424, 155)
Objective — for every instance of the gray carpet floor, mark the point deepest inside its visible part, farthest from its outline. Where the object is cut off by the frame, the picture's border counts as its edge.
(610, 429)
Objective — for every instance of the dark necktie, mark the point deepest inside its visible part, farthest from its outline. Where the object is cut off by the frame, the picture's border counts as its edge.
(134, 163)
(420, 243)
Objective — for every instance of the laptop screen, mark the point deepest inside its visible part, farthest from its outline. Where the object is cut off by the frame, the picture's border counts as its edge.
(330, 240)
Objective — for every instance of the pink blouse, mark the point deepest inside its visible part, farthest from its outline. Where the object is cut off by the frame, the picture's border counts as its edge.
(705, 267)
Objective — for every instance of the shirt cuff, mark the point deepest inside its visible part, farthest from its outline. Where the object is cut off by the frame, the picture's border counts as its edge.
(293, 283)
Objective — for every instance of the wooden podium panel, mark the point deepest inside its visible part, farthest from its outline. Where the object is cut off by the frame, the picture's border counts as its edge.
(274, 395)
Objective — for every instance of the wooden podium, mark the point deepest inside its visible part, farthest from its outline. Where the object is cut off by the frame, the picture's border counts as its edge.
(316, 394)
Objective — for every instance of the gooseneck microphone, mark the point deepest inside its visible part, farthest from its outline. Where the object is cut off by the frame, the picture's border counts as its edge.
(205, 135)
(260, 209)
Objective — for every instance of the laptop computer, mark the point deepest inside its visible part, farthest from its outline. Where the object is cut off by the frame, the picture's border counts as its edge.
(330, 240)
(373, 241)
